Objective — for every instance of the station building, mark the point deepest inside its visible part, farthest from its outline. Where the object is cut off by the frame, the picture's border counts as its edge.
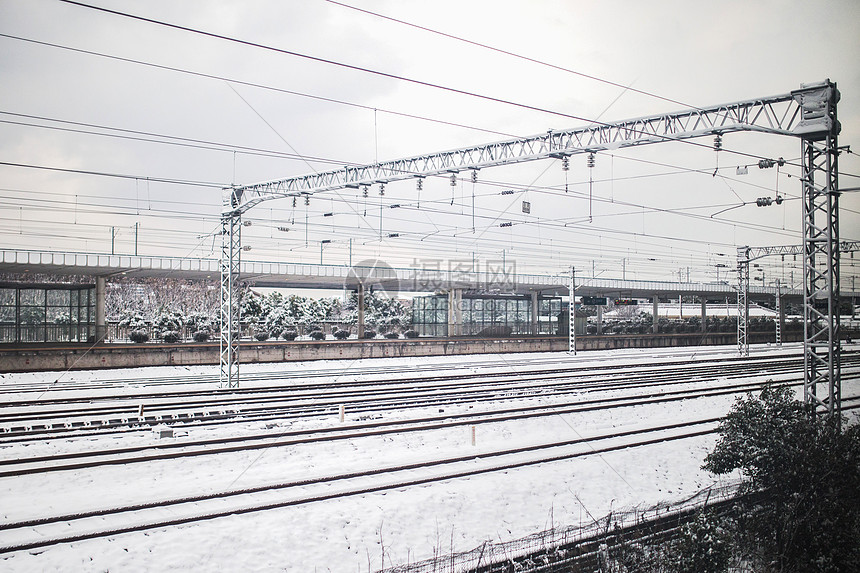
(460, 313)
(47, 312)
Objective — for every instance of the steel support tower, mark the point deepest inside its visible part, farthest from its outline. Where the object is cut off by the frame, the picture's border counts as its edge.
(808, 113)
(571, 314)
(231, 251)
(821, 346)
(743, 302)
(746, 255)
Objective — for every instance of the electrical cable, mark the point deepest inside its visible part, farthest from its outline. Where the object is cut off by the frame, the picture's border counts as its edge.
(118, 175)
(379, 73)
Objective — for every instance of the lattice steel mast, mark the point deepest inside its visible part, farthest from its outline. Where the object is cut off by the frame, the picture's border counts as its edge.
(779, 114)
(821, 347)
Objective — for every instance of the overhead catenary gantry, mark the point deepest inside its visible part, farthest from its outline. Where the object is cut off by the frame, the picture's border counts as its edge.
(808, 113)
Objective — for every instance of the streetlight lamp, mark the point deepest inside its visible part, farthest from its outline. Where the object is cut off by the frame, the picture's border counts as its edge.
(323, 242)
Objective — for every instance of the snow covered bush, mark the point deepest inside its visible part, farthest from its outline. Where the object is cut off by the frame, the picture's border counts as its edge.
(262, 336)
(171, 336)
(368, 334)
(132, 320)
(411, 333)
(202, 336)
(289, 335)
(803, 477)
(317, 335)
(341, 334)
(168, 320)
(139, 336)
(391, 335)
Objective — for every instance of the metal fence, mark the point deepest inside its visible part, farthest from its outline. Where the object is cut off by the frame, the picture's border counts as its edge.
(537, 552)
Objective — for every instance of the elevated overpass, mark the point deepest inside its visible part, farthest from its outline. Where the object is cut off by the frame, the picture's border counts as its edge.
(337, 277)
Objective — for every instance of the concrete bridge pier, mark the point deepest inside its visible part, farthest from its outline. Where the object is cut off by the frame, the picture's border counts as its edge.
(455, 312)
(655, 319)
(101, 321)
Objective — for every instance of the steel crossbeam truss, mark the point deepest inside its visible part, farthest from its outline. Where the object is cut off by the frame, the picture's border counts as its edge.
(782, 114)
(231, 229)
(777, 114)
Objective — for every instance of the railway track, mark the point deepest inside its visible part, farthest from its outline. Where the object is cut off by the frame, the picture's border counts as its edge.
(283, 438)
(40, 532)
(568, 390)
(82, 415)
(45, 531)
(258, 374)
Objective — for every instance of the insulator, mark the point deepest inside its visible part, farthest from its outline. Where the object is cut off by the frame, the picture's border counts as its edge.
(246, 248)
(506, 224)
(766, 163)
(718, 142)
(590, 160)
(381, 189)
(453, 180)
(474, 176)
(565, 163)
(508, 192)
(420, 183)
(294, 201)
(307, 200)
(764, 201)
(364, 191)
(246, 223)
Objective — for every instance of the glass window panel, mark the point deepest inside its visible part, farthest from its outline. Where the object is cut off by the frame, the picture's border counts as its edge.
(58, 297)
(7, 314)
(32, 297)
(7, 296)
(58, 314)
(32, 314)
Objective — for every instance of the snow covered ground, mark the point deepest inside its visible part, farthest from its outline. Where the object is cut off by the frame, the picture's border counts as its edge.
(362, 532)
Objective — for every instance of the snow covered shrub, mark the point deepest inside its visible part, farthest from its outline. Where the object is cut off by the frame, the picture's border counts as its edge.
(411, 334)
(132, 320)
(368, 334)
(138, 336)
(274, 332)
(289, 335)
(803, 472)
(704, 546)
(262, 336)
(169, 320)
(341, 334)
(391, 335)
(317, 335)
(201, 336)
(171, 336)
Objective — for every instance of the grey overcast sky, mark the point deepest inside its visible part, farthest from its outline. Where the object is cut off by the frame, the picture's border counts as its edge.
(179, 115)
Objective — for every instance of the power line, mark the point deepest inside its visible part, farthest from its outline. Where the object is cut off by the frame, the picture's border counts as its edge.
(380, 73)
(118, 175)
(179, 141)
(508, 53)
(257, 85)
